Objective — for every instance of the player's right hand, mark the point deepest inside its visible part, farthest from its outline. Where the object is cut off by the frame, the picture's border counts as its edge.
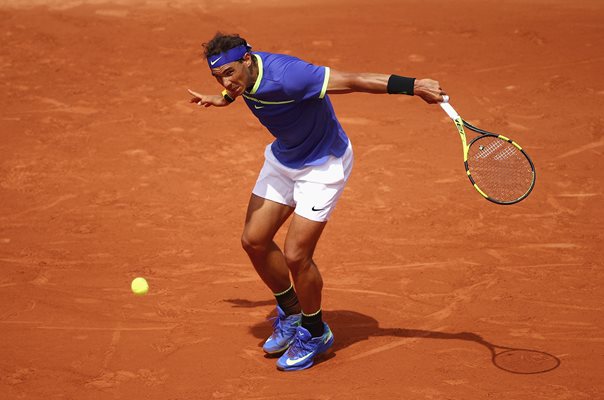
(429, 90)
(207, 100)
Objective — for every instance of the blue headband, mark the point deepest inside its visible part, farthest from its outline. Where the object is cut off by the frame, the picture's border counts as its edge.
(234, 54)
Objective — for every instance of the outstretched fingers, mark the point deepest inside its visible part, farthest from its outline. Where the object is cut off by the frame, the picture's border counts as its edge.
(197, 98)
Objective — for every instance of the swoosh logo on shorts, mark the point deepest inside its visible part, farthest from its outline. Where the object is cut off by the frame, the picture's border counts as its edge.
(318, 209)
(215, 61)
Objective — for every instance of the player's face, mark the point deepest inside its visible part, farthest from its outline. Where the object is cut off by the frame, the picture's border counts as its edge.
(235, 76)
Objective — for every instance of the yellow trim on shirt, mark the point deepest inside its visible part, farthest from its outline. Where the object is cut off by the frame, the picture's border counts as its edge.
(325, 82)
(260, 73)
(267, 102)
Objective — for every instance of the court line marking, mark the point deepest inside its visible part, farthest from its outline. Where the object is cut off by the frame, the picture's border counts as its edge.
(383, 348)
(42, 207)
(21, 322)
(361, 291)
(120, 329)
(581, 149)
(578, 194)
(437, 264)
(505, 267)
(113, 345)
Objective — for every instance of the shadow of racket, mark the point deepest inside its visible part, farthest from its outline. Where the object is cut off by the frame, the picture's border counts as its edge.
(517, 360)
(523, 361)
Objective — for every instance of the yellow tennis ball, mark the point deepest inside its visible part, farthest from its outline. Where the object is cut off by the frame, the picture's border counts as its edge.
(139, 286)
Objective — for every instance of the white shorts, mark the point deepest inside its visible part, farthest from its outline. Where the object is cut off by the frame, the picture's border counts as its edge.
(313, 191)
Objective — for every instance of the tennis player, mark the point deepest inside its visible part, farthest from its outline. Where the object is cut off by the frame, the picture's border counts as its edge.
(304, 173)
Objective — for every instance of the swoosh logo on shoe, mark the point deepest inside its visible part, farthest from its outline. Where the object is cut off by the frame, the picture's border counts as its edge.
(328, 337)
(215, 61)
(291, 362)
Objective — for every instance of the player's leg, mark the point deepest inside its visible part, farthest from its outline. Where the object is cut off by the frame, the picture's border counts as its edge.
(270, 205)
(313, 336)
(300, 243)
(263, 220)
(316, 194)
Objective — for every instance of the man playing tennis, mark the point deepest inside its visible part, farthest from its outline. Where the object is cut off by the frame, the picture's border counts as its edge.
(304, 173)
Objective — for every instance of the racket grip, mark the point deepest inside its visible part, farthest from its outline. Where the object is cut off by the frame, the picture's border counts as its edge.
(448, 108)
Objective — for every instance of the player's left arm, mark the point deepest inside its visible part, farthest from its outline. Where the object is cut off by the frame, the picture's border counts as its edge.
(352, 82)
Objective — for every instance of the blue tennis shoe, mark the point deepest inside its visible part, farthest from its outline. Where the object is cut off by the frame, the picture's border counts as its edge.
(284, 332)
(304, 349)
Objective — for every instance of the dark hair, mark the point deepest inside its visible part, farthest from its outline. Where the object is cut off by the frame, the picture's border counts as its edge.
(222, 42)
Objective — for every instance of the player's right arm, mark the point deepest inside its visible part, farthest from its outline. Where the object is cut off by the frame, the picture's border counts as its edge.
(208, 100)
(352, 82)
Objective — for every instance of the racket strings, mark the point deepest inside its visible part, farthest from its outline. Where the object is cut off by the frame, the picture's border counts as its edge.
(499, 168)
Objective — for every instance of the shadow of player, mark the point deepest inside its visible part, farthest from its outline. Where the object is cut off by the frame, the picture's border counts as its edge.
(351, 327)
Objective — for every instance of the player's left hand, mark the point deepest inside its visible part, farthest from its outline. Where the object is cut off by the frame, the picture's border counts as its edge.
(429, 90)
(207, 100)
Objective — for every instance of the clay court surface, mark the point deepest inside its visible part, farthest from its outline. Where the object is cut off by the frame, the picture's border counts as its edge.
(108, 173)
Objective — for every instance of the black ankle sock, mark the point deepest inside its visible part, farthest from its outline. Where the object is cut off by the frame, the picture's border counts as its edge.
(288, 301)
(314, 323)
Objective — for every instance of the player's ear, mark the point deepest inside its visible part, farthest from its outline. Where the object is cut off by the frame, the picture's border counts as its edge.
(247, 60)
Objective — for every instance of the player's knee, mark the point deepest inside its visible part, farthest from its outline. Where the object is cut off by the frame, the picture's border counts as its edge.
(253, 245)
(297, 259)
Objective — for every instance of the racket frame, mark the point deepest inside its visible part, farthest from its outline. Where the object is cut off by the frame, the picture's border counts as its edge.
(460, 124)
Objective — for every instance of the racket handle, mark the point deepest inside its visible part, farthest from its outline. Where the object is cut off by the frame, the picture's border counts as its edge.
(448, 108)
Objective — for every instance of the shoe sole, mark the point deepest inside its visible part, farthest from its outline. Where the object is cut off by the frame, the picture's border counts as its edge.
(280, 351)
(275, 354)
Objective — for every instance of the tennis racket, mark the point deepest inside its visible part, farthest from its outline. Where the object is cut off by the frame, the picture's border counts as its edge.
(498, 168)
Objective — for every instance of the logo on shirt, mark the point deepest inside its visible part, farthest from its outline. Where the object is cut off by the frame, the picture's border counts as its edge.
(258, 107)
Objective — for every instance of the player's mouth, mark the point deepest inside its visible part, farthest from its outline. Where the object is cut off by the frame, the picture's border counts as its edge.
(236, 90)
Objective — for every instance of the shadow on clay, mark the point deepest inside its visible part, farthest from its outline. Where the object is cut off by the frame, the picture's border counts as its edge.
(351, 327)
